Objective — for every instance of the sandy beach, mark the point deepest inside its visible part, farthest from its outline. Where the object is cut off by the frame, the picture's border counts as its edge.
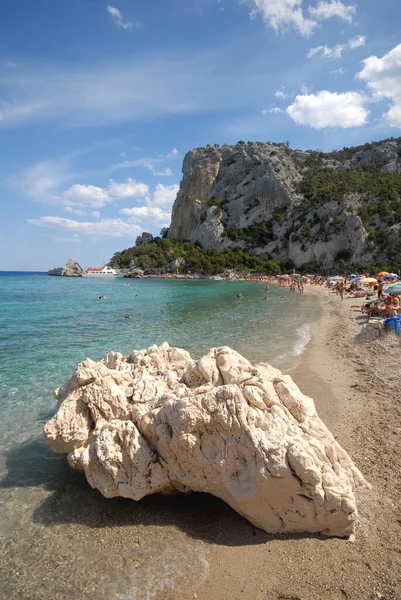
(356, 389)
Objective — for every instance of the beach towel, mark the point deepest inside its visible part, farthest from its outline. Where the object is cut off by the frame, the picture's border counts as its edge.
(395, 323)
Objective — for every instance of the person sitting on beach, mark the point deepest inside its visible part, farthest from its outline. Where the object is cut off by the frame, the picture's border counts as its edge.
(385, 309)
(394, 305)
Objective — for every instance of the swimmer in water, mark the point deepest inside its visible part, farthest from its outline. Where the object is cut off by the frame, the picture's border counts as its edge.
(127, 316)
(136, 295)
(102, 297)
(239, 295)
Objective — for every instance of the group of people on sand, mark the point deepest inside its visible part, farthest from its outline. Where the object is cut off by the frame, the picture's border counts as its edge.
(297, 284)
(378, 303)
(388, 306)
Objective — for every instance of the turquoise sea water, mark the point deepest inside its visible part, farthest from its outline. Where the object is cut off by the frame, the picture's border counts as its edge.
(49, 324)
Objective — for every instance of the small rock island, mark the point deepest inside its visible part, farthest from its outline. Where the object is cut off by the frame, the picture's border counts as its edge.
(71, 269)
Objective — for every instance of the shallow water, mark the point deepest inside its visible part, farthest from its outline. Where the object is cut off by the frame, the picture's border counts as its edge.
(59, 538)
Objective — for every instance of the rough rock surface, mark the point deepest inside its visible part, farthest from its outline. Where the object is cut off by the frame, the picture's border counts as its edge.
(233, 187)
(373, 331)
(158, 421)
(385, 157)
(71, 269)
(255, 178)
(145, 238)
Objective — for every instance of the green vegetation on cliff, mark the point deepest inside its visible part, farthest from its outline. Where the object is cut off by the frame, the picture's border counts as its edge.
(371, 194)
(164, 255)
(381, 192)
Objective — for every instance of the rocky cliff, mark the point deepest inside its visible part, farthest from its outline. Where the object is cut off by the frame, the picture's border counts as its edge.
(310, 208)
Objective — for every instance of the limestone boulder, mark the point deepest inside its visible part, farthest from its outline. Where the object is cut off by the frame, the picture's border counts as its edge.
(71, 269)
(158, 421)
(372, 331)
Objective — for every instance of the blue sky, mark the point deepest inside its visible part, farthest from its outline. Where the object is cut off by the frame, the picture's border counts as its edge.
(100, 102)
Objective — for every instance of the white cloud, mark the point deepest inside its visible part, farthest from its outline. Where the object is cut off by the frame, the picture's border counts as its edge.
(337, 51)
(107, 227)
(164, 173)
(153, 164)
(327, 9)
(337, 72)
(147, 215)
(85, 195)
(129, 189)
(86, 213)
(157, 210)
(11, 112)
(282, 95)
(280, 15)
(164, 195)
(91, 196)
(119, 20)
(42, 180)
(327, 109)
(383, 78)
(271, 111)
(68, 240)
(357, 42)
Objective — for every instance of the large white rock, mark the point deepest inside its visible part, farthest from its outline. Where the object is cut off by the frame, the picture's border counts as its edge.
(158, 421)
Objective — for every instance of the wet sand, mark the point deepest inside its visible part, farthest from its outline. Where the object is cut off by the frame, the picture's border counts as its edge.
(183, 547)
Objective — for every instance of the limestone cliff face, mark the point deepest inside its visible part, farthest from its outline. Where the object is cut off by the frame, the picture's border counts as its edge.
(227, 190)
(386, 156)
(251, 180)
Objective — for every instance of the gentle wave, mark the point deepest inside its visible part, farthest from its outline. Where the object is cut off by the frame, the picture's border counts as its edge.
(304, 335)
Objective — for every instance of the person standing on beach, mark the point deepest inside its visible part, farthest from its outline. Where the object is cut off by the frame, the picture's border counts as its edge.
(341, 289)
(380, 288)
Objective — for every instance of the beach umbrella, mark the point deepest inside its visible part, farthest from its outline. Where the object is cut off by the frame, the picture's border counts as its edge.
(353, 275)
(395, 288)
(389, 275)
(382, 273)
(370, 280)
